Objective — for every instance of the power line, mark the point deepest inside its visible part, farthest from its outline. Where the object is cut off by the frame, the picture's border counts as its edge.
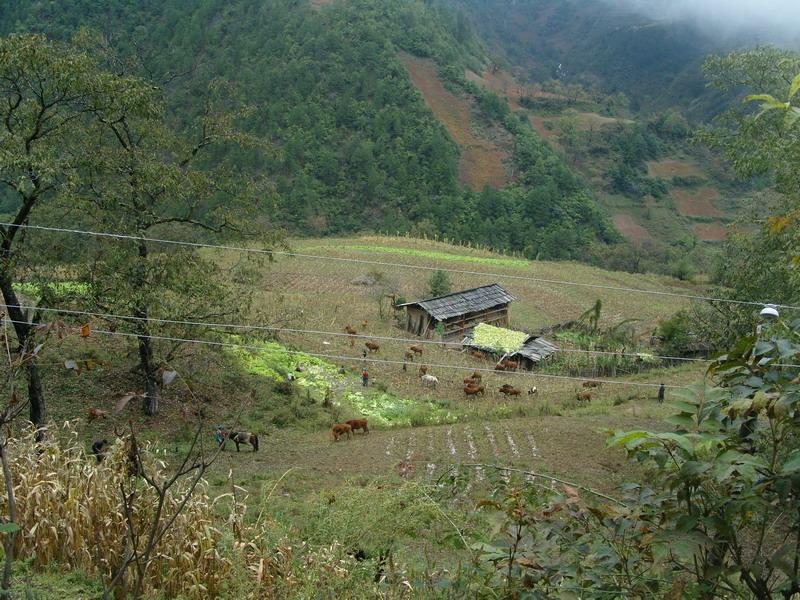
(274, 329)
(339, 357)
(122, 236)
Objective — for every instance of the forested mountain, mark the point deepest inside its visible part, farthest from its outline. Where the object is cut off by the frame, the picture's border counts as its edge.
(354, 146)
(656, 62)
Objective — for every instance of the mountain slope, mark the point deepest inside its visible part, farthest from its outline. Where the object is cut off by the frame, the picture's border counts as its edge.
(356, 147)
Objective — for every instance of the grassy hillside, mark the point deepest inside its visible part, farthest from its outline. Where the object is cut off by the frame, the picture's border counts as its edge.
(300, 483)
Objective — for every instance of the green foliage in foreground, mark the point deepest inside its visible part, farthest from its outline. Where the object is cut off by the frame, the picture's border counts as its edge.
(717, 518)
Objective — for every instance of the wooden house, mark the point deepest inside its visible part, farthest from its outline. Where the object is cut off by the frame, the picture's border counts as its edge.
(456, 314)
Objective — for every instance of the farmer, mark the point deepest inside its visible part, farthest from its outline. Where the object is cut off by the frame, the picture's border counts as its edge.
(661, 390)
(219, 435)
(365, 378)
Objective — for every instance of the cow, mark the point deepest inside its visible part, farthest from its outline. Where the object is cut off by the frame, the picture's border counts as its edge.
(340, 430)
(429, 381)
(372, 346)
(474, 390)
(583, 396)
(358, 424)
(416, 349)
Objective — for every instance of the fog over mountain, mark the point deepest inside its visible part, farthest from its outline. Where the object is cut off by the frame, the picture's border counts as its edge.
(775, 21)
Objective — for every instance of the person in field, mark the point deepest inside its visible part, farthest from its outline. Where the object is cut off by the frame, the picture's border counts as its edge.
(365, 378)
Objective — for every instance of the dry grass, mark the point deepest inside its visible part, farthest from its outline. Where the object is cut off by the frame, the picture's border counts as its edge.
(481, 161)
(71, 512)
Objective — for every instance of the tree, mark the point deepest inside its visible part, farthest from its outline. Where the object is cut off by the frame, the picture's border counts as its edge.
(153, 182)
(439, 284)
(760, 266)
(51, 96)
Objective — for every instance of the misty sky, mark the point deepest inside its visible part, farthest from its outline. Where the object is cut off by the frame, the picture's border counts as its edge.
(727, 16)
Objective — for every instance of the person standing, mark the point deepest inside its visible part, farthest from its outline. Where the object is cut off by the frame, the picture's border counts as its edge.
(365, 378)
(661, 391)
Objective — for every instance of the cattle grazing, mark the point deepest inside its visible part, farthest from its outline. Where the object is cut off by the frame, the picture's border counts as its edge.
(95, 413)
(349, 330)
(476, 376)
(510, 391)
(592, 384)
(340, 430)
(429, 381)
(243, 437)
(532, 391)
(583, 396)
(506, 386)
(409, 356)
(471, 381)
(99, 449)
(364, 323)
(423, 370)
(358, 424)
(510, 365)
(499, 367)
(478, 354)
(474, 390)
(416, 349)
(372, 346)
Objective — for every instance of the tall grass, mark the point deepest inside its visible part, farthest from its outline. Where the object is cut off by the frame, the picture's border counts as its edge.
(71, 515)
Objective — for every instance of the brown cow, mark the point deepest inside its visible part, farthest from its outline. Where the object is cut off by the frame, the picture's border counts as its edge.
(95, 413)
(409, 356)
(500, 367)
(510, 391)
(510, 365)
(471, 381)
(583, 396)
(474, 390)
(478, 354)
(423, 370)
(340, 430)
(349, 330)
(416, 349)
(592, 384)
(372, 346)
(358, 424)
(477, 376)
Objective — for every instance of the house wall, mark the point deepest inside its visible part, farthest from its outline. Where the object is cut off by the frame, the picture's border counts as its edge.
(422, 324)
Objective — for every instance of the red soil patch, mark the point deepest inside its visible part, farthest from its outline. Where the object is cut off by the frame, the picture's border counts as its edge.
(630, 228)
(697, 205)
(505, 84)
(481, 161)
(673, 168)
(710, 232)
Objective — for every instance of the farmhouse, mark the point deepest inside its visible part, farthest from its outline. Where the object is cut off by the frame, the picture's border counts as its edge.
(454, 315)
(525, 349)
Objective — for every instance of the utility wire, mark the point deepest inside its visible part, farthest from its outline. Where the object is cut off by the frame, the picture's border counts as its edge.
(339, 357)
(274, 329)
(122, 236)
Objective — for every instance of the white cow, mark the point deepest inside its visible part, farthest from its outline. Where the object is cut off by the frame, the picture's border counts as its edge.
(429, 381)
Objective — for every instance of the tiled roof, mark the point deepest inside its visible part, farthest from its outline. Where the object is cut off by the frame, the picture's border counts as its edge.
(467, 301)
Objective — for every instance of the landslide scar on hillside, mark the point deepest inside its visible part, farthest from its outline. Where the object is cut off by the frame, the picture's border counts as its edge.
(481, 162)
